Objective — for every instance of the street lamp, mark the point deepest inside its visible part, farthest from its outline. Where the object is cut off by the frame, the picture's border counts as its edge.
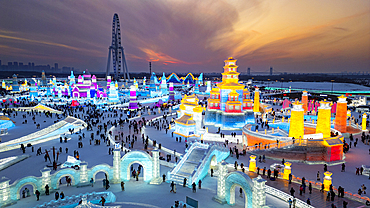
(332, 85)
(282, 79)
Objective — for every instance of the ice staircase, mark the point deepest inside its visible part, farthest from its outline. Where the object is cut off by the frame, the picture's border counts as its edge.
(194, 165)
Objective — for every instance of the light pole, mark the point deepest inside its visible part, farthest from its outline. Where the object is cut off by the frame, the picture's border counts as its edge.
(332, 85)
(282, 79)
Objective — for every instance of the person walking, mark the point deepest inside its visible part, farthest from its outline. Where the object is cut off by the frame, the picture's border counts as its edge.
(102, 201)
(292, 191)
(318, 176)
(200, 184)
(310, 187)
(122, 185)
(194, 187)
(290, 202)
(47, 189)
(343, 167)
(61, 195)
(241, 192)
(37, 192)
(184, 184)
(56, 195)
(92, 182)
(172, 186)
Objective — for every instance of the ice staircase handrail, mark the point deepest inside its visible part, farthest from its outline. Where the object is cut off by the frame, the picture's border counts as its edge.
(200, 166)
(285, 197)
(186, 156)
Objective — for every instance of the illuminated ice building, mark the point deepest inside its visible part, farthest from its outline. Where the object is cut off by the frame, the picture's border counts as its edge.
(189, 121)
(229, 105)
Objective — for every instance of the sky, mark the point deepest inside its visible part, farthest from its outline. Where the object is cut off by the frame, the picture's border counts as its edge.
(291, 36)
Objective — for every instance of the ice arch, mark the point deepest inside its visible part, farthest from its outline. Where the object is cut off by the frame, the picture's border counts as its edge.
(30, 180)
(100, 168)
(241, 179)
(140, 157)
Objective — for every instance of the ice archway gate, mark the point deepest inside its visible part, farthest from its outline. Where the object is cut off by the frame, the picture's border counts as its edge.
(254, 190)
(9, 193)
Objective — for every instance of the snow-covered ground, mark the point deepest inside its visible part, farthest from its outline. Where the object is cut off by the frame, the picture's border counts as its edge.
(137, 194)
(140, 194)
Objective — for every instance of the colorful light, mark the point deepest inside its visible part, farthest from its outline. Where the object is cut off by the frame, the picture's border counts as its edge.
(252, 163)
(341, 115)
(287, 170)
(327, 180)
(296, 129)
(305, 101)
(324, 119)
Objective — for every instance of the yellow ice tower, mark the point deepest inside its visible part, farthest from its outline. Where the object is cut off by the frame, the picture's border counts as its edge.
(323, 119)
(296, 128)
(364, 121)
(256, 104)
(252, 163)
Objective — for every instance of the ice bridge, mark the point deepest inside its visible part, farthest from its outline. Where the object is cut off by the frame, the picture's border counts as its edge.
(197, 161)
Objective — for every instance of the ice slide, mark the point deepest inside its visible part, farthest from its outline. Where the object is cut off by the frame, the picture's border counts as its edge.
(52, 132)
(195, 164)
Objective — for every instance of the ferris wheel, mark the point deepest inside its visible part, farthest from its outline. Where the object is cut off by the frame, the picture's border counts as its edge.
(117, 53)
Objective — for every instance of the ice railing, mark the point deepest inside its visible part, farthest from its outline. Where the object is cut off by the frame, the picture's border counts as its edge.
(198, 170)
(72, 201)
(285, 197)
(186, 156)
(283, 141)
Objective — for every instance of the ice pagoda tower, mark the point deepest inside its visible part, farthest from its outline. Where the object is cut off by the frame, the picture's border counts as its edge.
(229, 105)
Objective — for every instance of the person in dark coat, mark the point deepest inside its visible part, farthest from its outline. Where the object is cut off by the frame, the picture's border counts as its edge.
(47, 189)
(37, 194)
(194, 187)
(56, 195)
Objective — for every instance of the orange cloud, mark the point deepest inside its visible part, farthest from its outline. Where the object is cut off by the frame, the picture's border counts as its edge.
(161, 57)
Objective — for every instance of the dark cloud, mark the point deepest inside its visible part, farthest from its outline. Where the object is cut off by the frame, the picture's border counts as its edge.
(174, 35)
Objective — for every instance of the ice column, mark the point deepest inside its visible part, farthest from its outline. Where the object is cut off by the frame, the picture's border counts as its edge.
(221, 182)
(259, 192)
(305, 101)
(327, 180)
(83, 173)
(116, 165)
(287, 170)
(156, 179)
(364, 116)
(172, 93)
(4, 191)
(296, 129)
(256, 104)
(46, 179)
(133, 101)
(209, 88)
(252, 163)
(324, 119)
(341, 115)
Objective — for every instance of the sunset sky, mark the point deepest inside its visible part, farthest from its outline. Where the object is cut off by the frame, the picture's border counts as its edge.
(304, 36)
